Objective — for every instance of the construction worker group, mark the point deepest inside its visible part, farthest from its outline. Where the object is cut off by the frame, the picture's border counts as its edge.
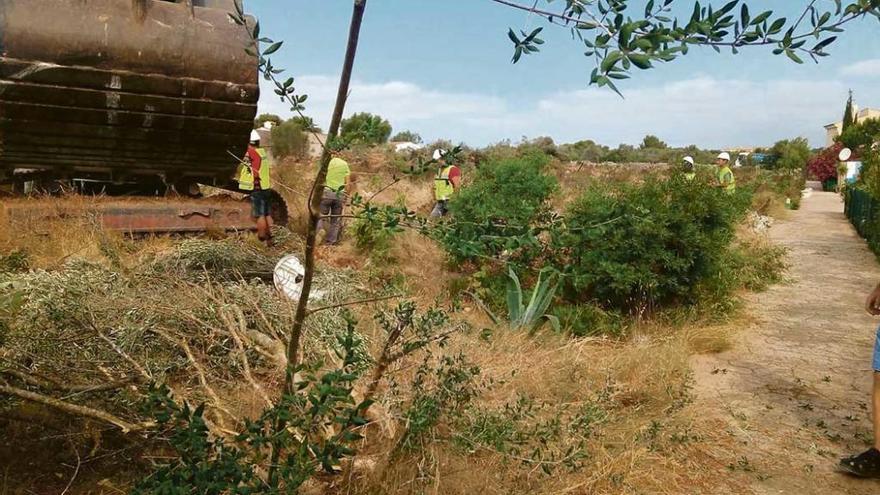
(254, 178)
(724, 178)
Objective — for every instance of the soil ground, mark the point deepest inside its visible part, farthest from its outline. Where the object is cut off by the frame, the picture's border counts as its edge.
(793, 394)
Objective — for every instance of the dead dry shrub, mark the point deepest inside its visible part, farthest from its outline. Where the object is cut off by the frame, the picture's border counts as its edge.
(190, 319)
(608, 417)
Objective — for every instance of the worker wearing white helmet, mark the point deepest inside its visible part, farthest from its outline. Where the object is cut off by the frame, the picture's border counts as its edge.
(254, 177)
(446, 182)
(687, 165)
(726, 179)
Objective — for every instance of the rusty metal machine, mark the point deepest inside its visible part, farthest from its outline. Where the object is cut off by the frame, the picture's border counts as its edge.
(139, 96)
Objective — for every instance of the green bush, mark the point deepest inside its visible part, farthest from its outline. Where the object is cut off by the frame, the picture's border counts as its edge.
(588, 320)
(861, 135)
(407, 137)
(749, 263)
(791, 154)
(636, 246)
(498, 210)
(16, 261)
(787, 184)
(365, 128)
(289, 139)
(869, 176)
(267, 117)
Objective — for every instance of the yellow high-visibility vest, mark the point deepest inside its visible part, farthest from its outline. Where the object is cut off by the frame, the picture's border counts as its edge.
(727, 179)
(337, 175)
(690, 176)
(246, 176)
(443, 188)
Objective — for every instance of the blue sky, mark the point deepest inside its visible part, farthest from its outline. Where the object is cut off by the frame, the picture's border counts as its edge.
(442, 68)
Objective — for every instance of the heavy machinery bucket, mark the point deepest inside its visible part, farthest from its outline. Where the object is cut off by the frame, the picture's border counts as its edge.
(125, 90)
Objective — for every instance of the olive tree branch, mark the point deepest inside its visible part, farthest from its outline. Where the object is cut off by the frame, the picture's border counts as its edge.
(75, 409)
(353, 303)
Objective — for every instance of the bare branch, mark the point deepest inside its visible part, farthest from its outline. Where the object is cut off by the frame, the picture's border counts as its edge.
(354, 303)
(75, 409)
(242, 355)
(200, 372)
(61, 387)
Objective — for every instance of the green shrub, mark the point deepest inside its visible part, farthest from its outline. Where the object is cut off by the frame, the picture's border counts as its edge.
(407, 137)
(791, 154)
(289, 139)
(861, 135)
(634, 247)
(542, 435)
(787, 184)
(588, 320)
(365, 128)
(498, 210)
(16, 261)
(267, 117)
(869, 176)
(750, 263)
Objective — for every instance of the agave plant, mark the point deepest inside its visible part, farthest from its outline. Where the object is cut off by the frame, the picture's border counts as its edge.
(532, 316)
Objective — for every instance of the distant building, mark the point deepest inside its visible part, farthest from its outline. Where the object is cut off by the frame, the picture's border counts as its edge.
(834, 130)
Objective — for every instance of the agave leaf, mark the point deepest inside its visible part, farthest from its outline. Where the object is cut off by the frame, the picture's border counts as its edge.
(554, 322)
(537, 294)
(549, 292)
(514, 299)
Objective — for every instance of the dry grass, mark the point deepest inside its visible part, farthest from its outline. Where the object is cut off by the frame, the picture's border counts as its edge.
(575, 178)
(770, 204)
(652, 439)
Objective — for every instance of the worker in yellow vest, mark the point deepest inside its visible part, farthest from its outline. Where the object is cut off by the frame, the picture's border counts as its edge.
(336, 190)
(688, 168)
(726, 179)
(254, 177)
(446, 183)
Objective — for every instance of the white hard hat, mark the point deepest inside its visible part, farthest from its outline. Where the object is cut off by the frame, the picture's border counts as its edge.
(438, 154)
(689, 159)
(255, 136)
(724, 156)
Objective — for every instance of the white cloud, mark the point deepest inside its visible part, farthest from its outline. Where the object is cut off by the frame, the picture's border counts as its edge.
(406, 105)
(701, 110)
(865, 68)
(704, 111)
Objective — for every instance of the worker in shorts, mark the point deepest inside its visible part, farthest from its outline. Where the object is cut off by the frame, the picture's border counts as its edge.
(254, 178)
(867, 464)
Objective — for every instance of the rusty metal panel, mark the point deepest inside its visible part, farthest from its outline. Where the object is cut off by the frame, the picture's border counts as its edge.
(140, 216)
(104, 89)
(177, 218)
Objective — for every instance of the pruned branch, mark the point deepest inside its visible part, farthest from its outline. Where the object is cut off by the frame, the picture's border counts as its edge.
(200, 372)
(52, 385)
(75, 409)
(354, 303)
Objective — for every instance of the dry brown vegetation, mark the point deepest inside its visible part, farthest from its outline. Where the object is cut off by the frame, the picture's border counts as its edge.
(630, 396)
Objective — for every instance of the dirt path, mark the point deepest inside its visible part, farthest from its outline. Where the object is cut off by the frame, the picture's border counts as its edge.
(794, 390)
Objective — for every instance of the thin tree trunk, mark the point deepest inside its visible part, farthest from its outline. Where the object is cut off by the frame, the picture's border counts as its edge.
(293, 347)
